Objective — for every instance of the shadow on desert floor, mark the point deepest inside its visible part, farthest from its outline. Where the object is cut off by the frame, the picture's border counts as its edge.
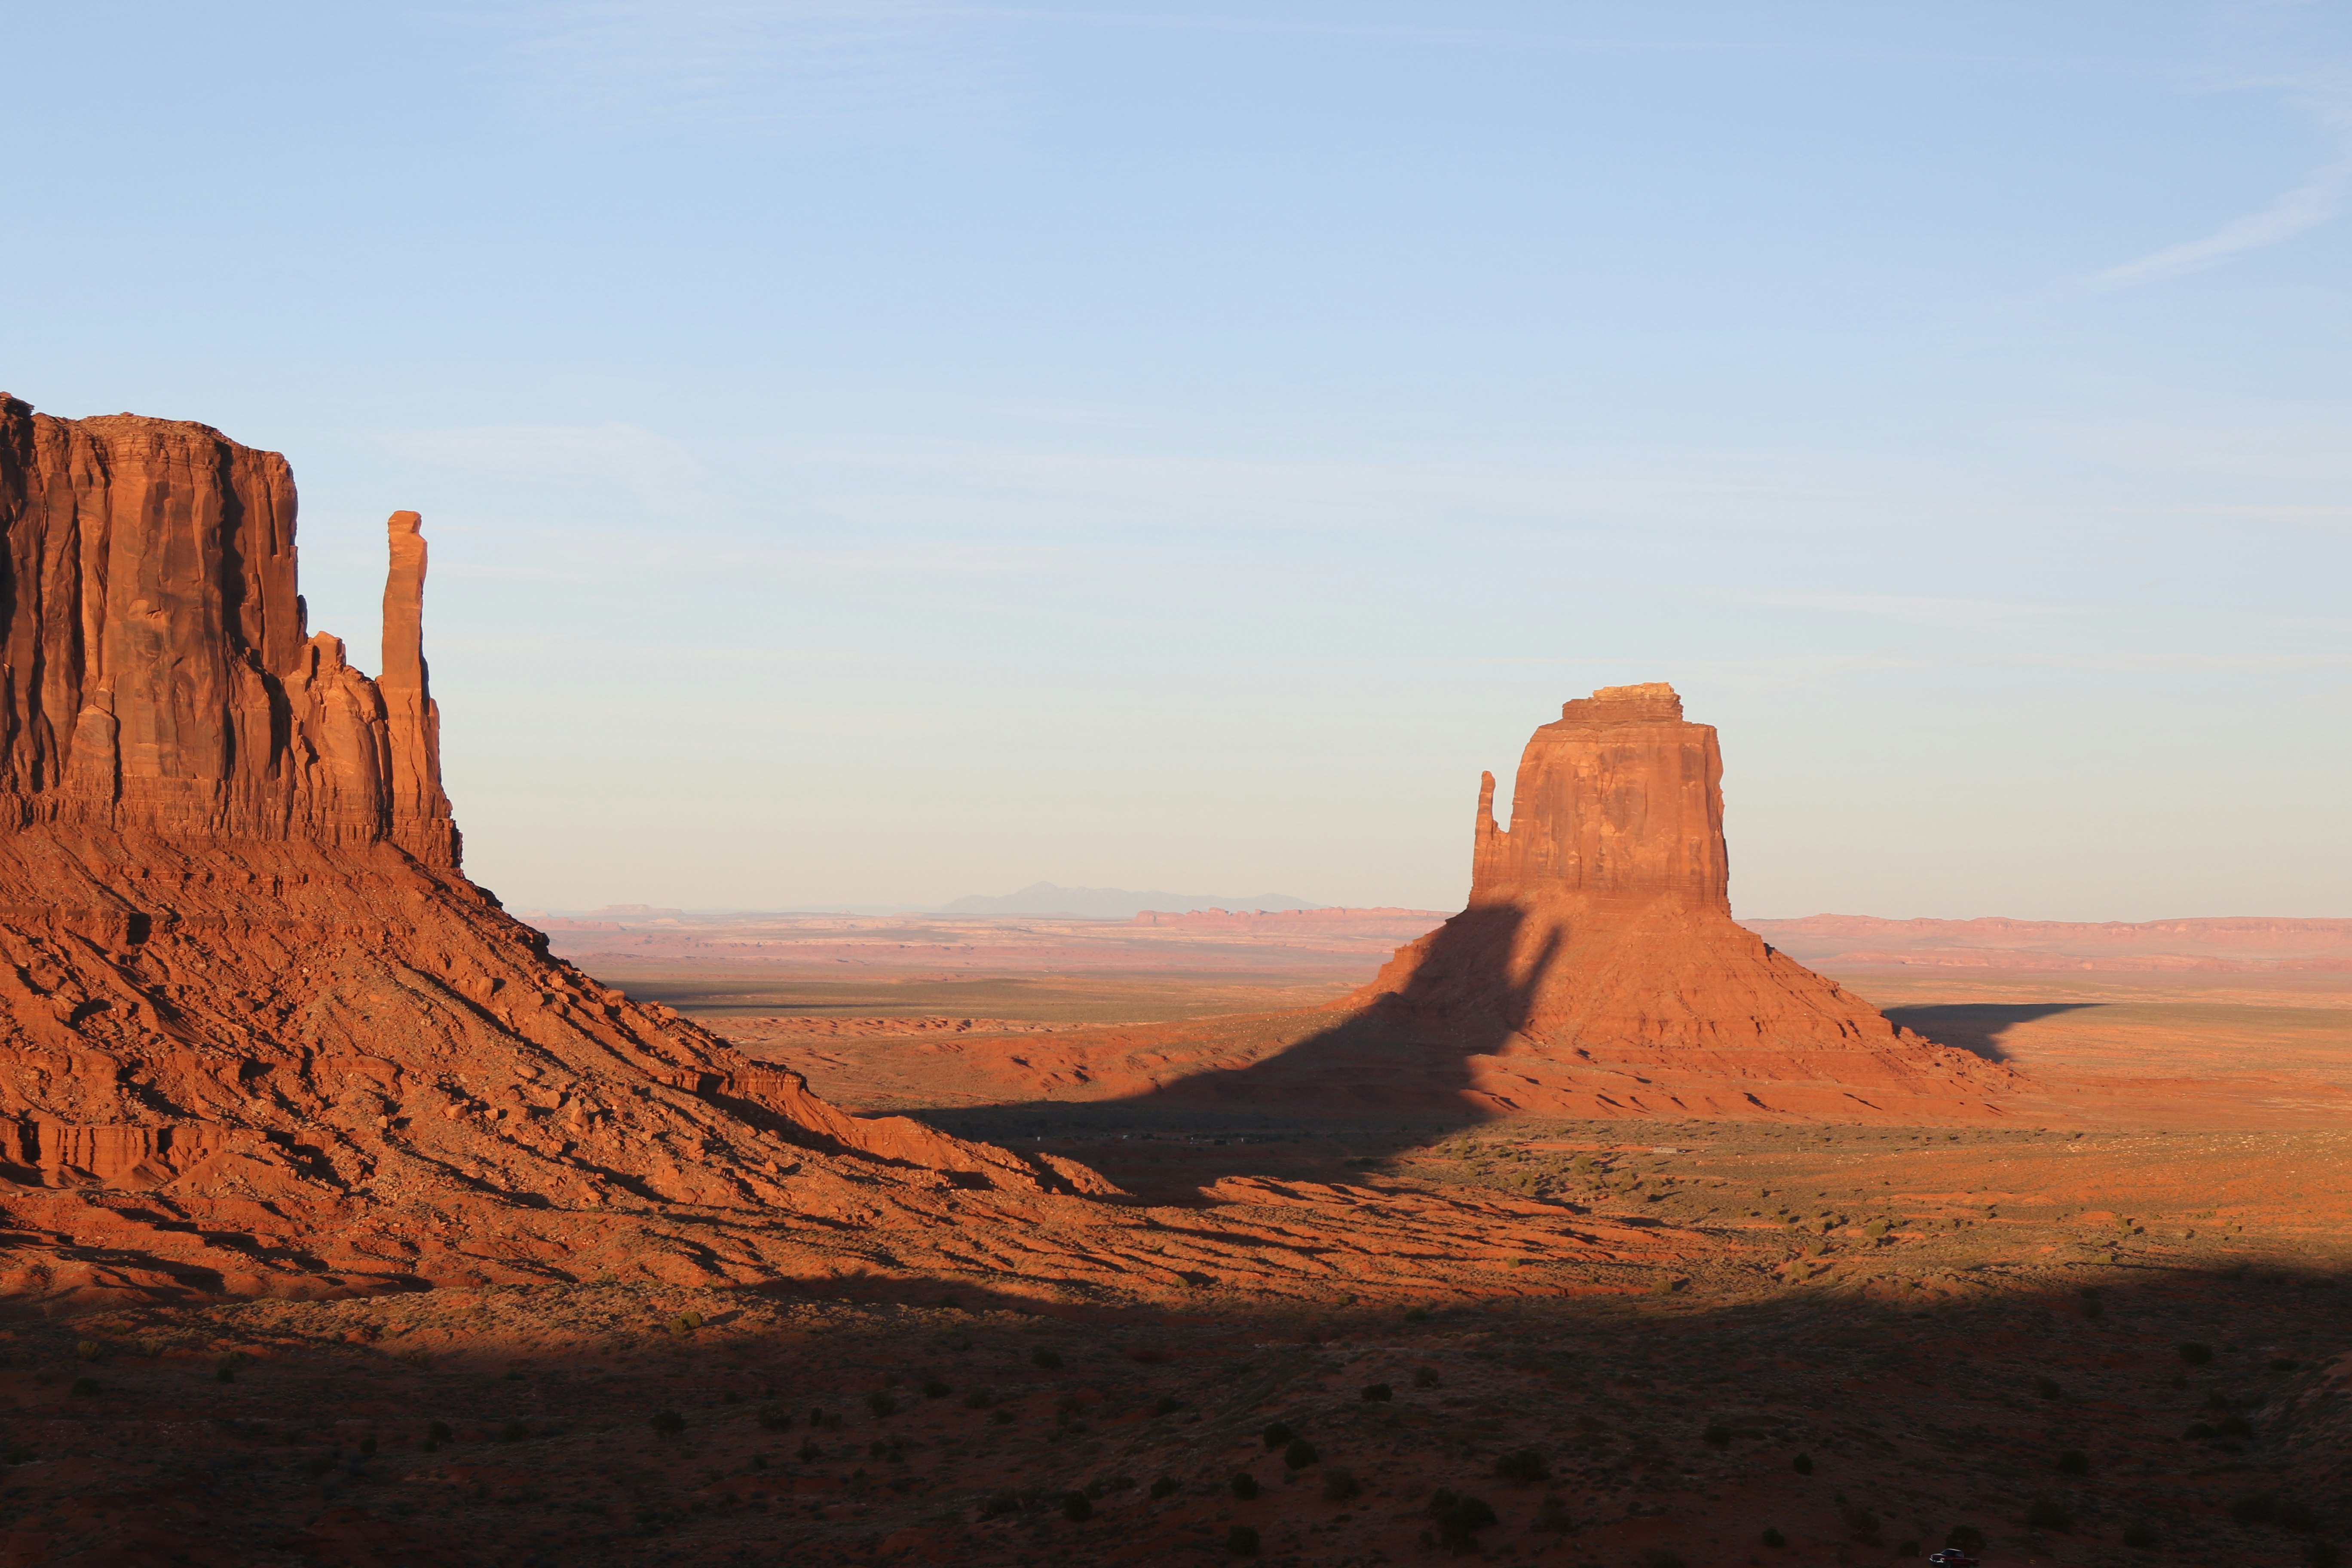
(1978, 1026)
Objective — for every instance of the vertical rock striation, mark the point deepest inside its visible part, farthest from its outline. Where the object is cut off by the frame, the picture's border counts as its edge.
(159, 674)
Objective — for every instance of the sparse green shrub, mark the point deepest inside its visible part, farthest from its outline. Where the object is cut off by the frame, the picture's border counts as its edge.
(881, 1404)
(226, 1369)
(1377, 1393)
(1276, 1434)
(1000, 1418)
(436, 1434)
(1166, 1486)
(318, 1465)
(1522, 1467)
(2047, 1387)
(980, 1397)
(2236, 1426)
(514, 1432)
(2284, 1363)
(1049, 1360)
(1803, 1463)
(669, 1421)
(997, 1504)
(1553, 1516)
(2049, 1513)
(1416, 1314)
(2139, 1537)
(84, 1387)
(2294, 1514)
(759, 1462)
(776, 1418)
(2093, 1307)
(1718, 1435)
(2074, 1462)
(1967, 1537)
(1077, 1508)
(1298, 1454)
(1244, 1485)
(1167, 1405)
(367, 1447)
(1424, 1377)
(1242, 1540)
(934, 1389)
(808, 1453)
(2194, 1353)
(1339, 1484)
(88, 1350)
(1459, 1519)
(1772, 1537)
(2201, 1432)
(2256, 1508)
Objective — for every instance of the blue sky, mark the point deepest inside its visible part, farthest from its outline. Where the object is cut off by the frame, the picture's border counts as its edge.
(879, 452)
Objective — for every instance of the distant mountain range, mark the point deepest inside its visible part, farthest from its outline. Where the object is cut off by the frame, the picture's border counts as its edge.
(1111, 903)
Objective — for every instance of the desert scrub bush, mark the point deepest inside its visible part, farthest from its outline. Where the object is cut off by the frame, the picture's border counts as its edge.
(2294, 1514)
(1459, 1518)
(2321, 1554)
(2254, 1508)
(1298, 1453)
(436, 1434)
(1000, 1418)
(88, 1350)
(1424, 1377)
(2074, 1462)
(998, 1503)
(669, 1421)
(1522, 1467)
(1802, 1464)
(1967, 1537)
(882, 1403)
(1242, 1540)
(1339, 1484)
(84, 1388)
(2193, 1353)
(2047, 1387)
(776, 1418)
(934, 1389)
(1244, 1485)
(1659, 1557)
(1166, 1486)
(808, 1453)
(1276, 1434)
(2094, 1307)
(224, 1370)
(2049, 1513)
(1377, 1393)
(1046, 1360)
(1416, 1314)
(1772, 1537)
(1718, 1435)
(2139, 1537)
(1167, 1405)
(513, 1432)
(1553, 1516)
(980, 1397)
(1077, 1508)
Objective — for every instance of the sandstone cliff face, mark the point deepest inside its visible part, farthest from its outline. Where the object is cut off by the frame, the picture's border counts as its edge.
(257, 1032)
(159, 675)
(1599, 925)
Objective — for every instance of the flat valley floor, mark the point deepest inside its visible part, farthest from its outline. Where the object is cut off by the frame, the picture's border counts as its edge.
(2115, 1332)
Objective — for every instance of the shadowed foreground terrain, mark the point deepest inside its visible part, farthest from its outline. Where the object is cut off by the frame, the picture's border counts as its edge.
(2104, 1347)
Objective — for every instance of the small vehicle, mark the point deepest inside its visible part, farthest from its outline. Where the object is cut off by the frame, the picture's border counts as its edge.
(1953, 1557)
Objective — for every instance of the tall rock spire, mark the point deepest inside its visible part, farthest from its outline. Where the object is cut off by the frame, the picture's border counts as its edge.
(419, 811)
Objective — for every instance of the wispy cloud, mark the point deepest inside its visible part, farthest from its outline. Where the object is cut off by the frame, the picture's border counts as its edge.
(748, 65)
(2317, 198)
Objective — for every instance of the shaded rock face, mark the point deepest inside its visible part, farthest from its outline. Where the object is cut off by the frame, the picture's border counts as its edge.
(257, 1031)
(1600, 924)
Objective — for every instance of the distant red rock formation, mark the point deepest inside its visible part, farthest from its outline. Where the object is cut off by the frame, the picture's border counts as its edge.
(242, 977)
(2228, 944)
(1600, 922)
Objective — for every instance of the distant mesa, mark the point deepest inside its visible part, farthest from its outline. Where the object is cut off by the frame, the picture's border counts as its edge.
(1111, 903)
(2232, 944)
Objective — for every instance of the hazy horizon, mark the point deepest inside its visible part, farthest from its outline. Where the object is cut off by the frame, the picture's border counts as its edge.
(886, 452)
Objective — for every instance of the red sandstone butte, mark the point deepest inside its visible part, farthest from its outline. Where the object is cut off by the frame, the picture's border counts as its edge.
(1599, 931)
(257, 1030)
